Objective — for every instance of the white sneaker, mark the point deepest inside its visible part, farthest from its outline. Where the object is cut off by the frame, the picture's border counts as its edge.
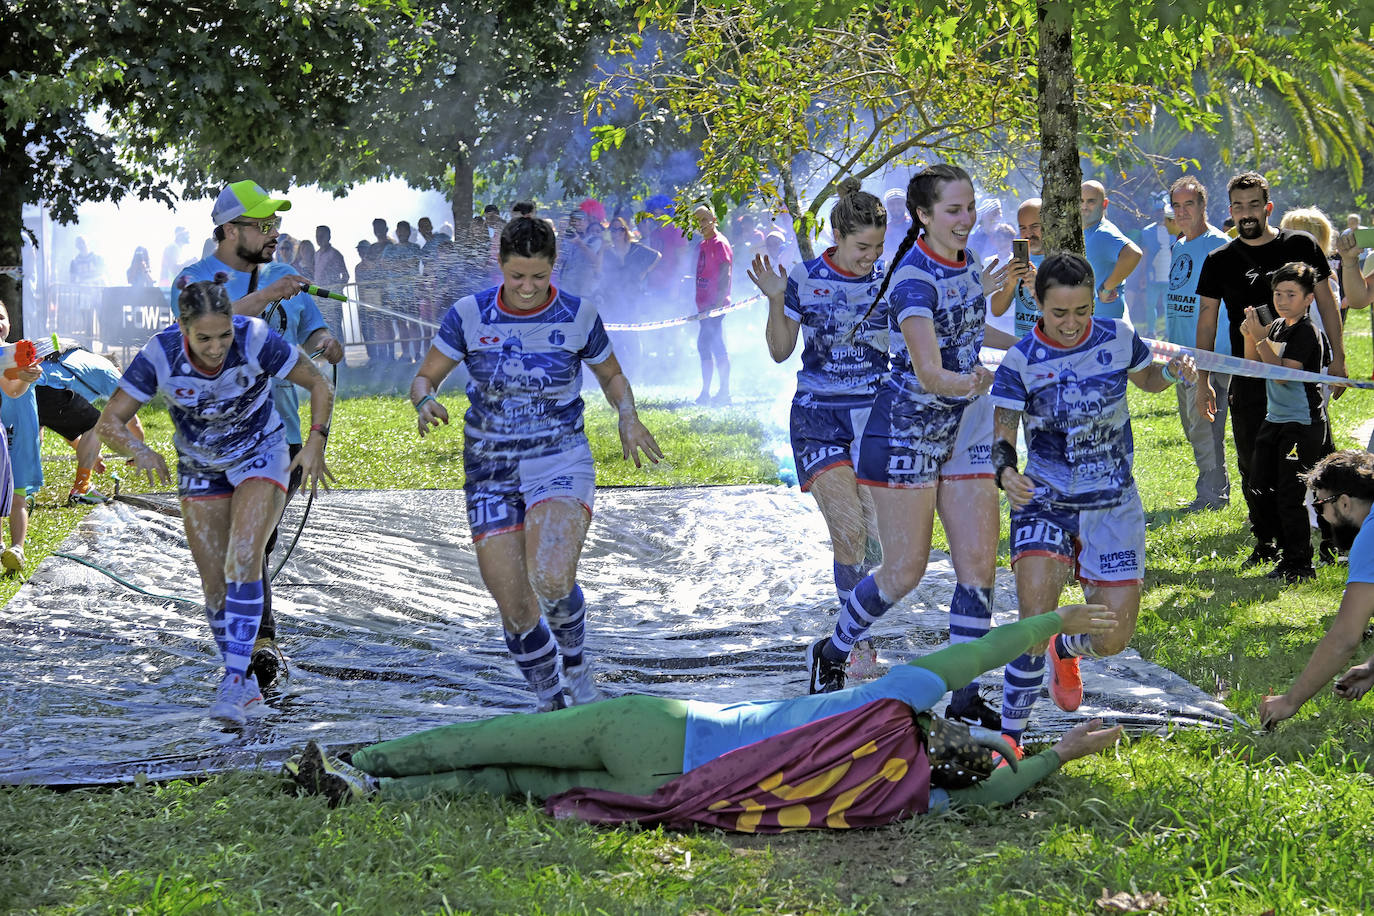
(581, 688)
(12, 558)
(233, 699)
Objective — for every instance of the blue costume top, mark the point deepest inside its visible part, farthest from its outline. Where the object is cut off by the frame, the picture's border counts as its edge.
(1074, 400)
(525, 369)
(1362, 553)
(1102, 244)
(295, 319)
(220, 419)
(714, 729)
(949, 293)
(844, 353)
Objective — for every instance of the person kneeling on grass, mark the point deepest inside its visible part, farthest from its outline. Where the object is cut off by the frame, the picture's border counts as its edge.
(856, 757)
(1342, 486)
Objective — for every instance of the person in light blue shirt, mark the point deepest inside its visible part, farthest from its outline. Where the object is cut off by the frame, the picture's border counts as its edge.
(1111, 254)
(1188, 197)
(1342, 492)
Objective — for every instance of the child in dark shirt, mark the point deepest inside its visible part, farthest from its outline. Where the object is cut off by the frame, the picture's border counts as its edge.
(1295, 420)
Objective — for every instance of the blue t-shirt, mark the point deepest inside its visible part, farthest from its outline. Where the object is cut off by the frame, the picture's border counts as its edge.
(1296, 402)
(1102, 245)
(714, 729)
(221, 419)
(93, 377)
(1362, 553)
(295, 319)
(1023, 302)
(1181, 301)
(525, 371)
(1074, 400)
(950, 294)
(844, 353)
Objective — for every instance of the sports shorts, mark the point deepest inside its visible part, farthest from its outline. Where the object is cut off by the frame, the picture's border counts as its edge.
(917, 442)
(499, 491)
(1106, 546)
(64, 411)
(825, 437)
(270, 463)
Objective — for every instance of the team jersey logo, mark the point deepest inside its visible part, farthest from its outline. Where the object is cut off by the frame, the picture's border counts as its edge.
(1181, 271)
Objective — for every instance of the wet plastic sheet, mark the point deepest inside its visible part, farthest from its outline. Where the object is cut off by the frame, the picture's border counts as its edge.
(692, 593)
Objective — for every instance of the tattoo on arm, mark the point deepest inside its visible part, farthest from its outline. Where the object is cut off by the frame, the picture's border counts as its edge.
(1006, 422)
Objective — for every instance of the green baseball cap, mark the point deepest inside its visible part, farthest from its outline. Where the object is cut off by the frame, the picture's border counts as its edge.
(245, 198)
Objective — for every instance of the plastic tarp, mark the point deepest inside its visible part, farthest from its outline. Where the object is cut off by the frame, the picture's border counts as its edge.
(710, 593)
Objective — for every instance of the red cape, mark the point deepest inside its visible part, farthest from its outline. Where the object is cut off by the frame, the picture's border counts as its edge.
(862, 768)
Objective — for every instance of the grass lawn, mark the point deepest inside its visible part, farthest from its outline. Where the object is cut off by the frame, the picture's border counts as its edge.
(1223, 823)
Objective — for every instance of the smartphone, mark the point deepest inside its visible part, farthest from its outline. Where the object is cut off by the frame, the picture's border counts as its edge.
(1364, 238)
(1265, 314)
(1020, 249)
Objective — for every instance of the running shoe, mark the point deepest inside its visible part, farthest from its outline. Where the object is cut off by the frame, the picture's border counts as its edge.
(1066, 683)
(317, 773)
(236, 695)
(1261, 555)
(555, 702)
(826, 676)
(863, 662)
(1292, 574)
(88, 497)
(1001, 759)
(581, 688)
(973, 710)
(12, 558)
(267, 662)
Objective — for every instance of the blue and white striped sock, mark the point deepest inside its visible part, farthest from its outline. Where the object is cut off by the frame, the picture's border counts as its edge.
(536, 655)
(567, 617)
(242, 615)
(970, 618)
(217, 629)
(848, 575)
(1021, 688)
(866, 605)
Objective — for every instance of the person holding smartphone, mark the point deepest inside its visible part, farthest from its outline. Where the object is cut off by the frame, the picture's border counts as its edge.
(1026, 254)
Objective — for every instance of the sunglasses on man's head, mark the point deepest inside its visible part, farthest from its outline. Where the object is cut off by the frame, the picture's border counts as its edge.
(265, 226)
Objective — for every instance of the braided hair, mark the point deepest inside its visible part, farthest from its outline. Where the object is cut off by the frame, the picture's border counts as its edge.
(922, 193)
(527, 237)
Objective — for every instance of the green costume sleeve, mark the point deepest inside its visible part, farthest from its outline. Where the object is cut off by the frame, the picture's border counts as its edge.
(959, 664)
(1004, 786)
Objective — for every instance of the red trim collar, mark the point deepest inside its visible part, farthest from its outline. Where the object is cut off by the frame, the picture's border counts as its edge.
(191, 360)
(1044, 338)
(523, 313)
(962, 262)
(829, 262)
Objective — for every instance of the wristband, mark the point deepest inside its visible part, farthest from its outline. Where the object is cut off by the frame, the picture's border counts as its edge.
(1003, 457)
(421, 403)
(1168, 375)
(321, 429)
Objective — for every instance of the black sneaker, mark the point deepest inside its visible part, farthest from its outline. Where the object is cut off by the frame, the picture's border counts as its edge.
(1292, 574)
(974, 711)
(826, 676)
(317, 773)
(1260, 556)
(267, 662)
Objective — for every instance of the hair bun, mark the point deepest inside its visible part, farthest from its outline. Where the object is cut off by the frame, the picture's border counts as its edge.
(221, 277)
(182, 282)
(850, 185)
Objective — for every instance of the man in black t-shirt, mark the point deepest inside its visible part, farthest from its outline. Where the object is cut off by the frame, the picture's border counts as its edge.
(1238, 274)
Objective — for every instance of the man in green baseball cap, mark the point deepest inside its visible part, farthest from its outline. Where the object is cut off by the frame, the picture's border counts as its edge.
(245, 199)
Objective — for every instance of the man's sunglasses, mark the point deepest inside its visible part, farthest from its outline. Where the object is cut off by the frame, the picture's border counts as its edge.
(265, 226)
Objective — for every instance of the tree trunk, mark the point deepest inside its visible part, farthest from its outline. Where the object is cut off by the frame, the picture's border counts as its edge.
(462, 190)
(789, 197)
(13, 169)
(1059, 170)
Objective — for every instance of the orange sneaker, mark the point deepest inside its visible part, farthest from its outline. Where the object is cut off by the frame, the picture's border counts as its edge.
(1066, 684)
(1015, 749)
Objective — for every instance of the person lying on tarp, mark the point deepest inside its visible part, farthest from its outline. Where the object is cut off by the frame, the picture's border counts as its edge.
(863, 756)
